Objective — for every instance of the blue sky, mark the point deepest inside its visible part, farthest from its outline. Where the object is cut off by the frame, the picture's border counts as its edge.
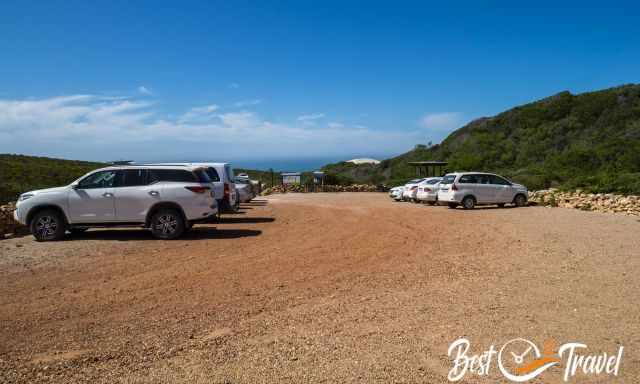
(264, 81)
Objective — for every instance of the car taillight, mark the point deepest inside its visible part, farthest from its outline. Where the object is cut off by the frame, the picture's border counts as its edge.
(199, 189)
(454, 187)
(427, 190)
(227, 190)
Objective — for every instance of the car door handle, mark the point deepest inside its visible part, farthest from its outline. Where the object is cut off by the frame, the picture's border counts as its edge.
(154, 193)
(107, 194)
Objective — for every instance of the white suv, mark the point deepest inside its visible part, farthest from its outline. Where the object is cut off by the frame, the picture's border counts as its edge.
(166, 199)
(478, 188)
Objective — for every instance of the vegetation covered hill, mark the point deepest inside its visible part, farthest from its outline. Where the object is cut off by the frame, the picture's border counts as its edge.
(19, 173)
(589, 141)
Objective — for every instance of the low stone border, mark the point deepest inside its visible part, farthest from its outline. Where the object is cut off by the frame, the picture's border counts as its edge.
(8, 226)
(599, 202)
(320, 188)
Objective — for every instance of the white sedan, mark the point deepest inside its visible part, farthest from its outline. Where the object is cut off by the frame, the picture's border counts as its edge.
(410, 189)
(428, 190)
(396, 193)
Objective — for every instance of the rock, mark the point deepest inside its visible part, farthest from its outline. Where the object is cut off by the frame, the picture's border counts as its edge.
(599, 202)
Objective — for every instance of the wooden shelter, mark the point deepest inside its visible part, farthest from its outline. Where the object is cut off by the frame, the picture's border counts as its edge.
(429, 168)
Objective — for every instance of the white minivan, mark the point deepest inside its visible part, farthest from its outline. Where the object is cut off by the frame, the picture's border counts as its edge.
(479, 188)
(221, 174)
(223, 180)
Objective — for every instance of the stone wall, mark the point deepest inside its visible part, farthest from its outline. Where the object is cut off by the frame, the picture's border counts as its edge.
(600, 202)
(320, 188)
(7, 224)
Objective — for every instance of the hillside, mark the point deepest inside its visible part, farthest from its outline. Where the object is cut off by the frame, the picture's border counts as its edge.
(19, 173)
(589, 141)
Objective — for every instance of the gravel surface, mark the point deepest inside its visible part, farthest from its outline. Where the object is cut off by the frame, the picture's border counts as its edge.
(342, 287)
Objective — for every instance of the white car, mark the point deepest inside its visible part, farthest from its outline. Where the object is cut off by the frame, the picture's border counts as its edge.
(478, 188)
(245, 190)
(223, 179)
(166, 199)
(427, 190)
(410, 189)
(396, 193)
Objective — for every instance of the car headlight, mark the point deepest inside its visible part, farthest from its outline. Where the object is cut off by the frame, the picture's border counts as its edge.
(25, 196)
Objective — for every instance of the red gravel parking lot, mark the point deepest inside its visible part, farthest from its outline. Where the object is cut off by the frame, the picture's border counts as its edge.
(343, 287)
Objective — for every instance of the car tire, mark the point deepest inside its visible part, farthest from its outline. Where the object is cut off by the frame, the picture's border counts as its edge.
(452, 205)
(236, 207)
(48, 225)
(468, 202)
(520, 200)
(167, 224)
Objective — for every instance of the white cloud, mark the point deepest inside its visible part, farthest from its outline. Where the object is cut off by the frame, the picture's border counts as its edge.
(199, 113)
(442, 121)
(144, 90)
(247, 103)
(234, 85)
(335, 125)
(104, 128)
(311, 116)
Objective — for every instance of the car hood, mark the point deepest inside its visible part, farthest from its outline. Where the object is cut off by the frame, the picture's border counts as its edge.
(48, 190)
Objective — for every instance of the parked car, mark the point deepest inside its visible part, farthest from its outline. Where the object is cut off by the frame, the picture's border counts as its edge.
(478, 188)
(245, 190)
(223, 180)
(410, 188)
(427, 190)
(224, 186)
(396, 193)
(255, 185)
(166, 199)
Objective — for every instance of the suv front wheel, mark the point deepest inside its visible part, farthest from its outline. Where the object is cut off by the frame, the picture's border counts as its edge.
(48, 225)
(167, 224)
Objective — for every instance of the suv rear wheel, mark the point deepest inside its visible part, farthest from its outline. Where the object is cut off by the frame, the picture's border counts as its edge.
(468, 202)
(48, 225)
(167, 224)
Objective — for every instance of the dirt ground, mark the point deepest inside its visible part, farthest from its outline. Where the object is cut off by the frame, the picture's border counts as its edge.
(343, 287)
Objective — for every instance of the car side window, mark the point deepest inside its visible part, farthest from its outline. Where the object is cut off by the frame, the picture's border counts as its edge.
(131, 178)
(102, 179)
(213, 174)
(178, 175)
(468, 179)
(499, 180)
(483, 179)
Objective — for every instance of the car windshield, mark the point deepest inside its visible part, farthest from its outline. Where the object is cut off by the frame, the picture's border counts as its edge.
(448, 179)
